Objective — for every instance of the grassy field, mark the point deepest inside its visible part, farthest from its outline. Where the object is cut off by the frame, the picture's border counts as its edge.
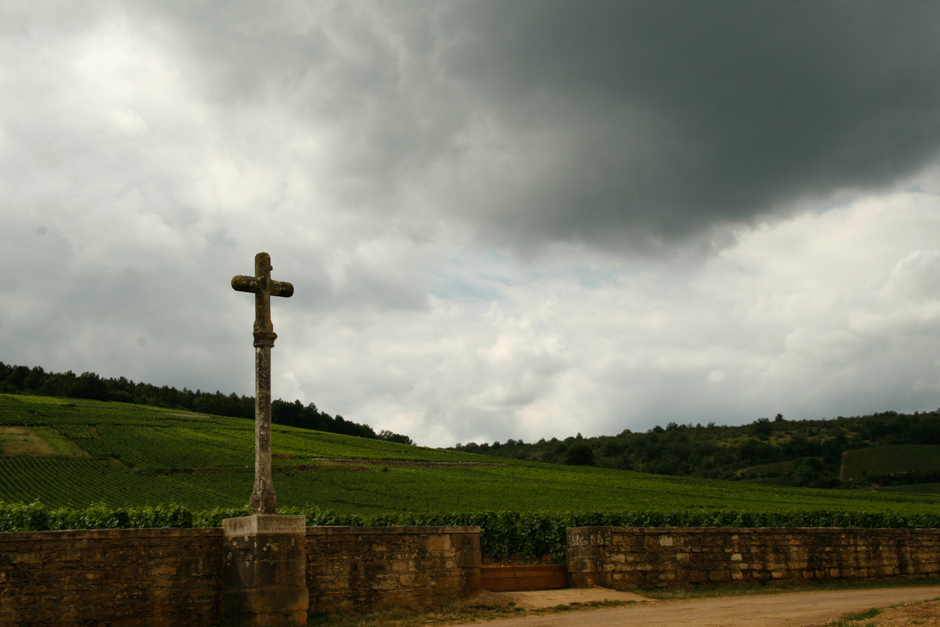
(887, 460)
(73, 453)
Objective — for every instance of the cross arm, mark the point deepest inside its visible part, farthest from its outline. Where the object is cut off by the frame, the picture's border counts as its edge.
(243, 283)
(281, 288)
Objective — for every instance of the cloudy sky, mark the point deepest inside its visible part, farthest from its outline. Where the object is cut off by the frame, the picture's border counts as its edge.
(501, 219)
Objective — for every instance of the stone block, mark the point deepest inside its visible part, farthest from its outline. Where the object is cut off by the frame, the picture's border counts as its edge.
(264, 578)
(264, 524)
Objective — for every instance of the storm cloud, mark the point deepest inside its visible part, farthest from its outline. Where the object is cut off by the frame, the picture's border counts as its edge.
(622, 125)
(677, 118)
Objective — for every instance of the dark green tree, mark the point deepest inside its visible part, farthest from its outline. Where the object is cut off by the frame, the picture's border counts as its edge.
(580, 454)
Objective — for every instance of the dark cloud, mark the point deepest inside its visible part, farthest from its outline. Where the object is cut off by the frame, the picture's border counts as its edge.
(682, 116)
(625, 125)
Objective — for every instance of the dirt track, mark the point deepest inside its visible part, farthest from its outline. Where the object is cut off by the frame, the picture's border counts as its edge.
(802, 609)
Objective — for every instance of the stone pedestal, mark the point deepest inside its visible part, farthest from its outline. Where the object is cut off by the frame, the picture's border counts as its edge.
(264, 571)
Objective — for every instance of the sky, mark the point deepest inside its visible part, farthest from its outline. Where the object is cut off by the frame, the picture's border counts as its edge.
(523, 219)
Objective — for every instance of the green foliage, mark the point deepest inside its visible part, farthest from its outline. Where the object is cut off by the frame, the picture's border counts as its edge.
(851, 620)
(215, 516)
(390, 436)
(862, 615)
(22, 517)
(762, 426)
(36, 517)
(579, 454)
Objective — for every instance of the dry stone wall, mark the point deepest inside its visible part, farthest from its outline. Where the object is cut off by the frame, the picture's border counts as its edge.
(170, 577)
(372, 567)
(126, 578)
(173, 577)
(629, 557)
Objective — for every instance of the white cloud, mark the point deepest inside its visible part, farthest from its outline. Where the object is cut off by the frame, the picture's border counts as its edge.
(801, 317)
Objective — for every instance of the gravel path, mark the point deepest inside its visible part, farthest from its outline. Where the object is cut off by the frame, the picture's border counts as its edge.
(800, 609)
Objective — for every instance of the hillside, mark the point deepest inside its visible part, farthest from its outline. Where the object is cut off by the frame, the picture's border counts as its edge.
(36, 381)
(68, 452)
(803, 453)
(864, 452)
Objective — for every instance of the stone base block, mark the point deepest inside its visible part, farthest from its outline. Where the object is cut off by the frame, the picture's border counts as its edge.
(264, 571)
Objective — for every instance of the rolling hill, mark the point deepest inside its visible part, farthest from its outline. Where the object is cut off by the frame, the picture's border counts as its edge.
(72, 452)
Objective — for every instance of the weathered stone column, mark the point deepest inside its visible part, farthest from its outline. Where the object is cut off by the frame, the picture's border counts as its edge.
(264, 560)
(264, 571)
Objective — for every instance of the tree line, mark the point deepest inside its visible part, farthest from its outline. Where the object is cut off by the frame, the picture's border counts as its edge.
(805, 453)
(88, 385)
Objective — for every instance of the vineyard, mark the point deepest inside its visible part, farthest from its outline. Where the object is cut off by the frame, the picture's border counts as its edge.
(73, 453)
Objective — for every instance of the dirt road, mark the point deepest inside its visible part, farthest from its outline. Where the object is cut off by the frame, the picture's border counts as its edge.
(801, 609)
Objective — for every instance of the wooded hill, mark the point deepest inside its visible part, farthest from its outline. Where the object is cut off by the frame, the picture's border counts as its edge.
(88, 385)
(885, 450)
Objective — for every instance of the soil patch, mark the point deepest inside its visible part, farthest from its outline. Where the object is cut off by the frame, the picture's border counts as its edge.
(542, 599)
(24, 441)
(37, 442)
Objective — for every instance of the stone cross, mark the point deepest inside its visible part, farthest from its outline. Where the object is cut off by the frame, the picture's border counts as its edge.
(263, 499)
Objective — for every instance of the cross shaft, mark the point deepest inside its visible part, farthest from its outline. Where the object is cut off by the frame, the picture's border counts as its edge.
(263, 498)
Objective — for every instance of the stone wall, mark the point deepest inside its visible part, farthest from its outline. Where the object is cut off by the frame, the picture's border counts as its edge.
(626, 557)
(127, 577)
(370, 567)
(172, 577)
